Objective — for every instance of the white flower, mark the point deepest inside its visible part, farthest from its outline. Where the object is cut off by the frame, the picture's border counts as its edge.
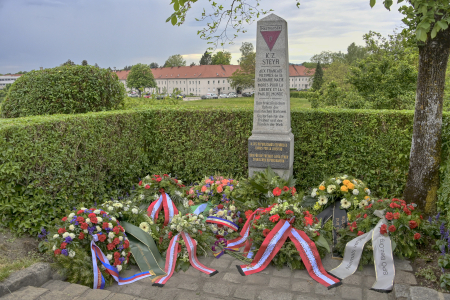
(110, 208)
(201, 216)
(323, 183)
(345, 203)
(232, 207)
(150, 221)
(54, 247)
(65, 234)
(155, 196)
(367, 191)
(362, 203)
(230, 230)
(194, 218)
(72, 235)
(109, 256)
(179, 228)
(173, 226)
(99, 219)
(109, 241)
(71, 215)
(279, 201)
(71, 253)
(180, 182)
(126, 208)
(322, 200)
(83, 208)
(97, 211)
(355, 192)
(354, 181)
(119, 205)
(338, 181)
(178, 193)
(111, 235)
(331, 188)
(71, 227)
(119, 268)
(144, 226)
(134, 211)
(88, 220)
(194, 230)
(123, 253)
(113, 219)
(120, 238)
(142, 196)
(220, 213)
(211, 211)
(98, 228)
(85, 231)
(229, 219)
(221, 231)
(314, 192)
(110, 225)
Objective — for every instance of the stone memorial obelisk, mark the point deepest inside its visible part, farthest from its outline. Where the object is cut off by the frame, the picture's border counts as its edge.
(272, 142)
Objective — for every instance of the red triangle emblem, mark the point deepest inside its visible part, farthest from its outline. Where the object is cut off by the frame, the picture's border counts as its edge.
(270, 37)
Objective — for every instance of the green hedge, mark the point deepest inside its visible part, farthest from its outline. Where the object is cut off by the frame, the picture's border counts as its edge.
(49, 163)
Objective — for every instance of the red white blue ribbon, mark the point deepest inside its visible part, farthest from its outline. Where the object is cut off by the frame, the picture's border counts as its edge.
(241, 241)
(171, 258)
(224, 222)
(169, 208)
(306, 248)
(99, 280)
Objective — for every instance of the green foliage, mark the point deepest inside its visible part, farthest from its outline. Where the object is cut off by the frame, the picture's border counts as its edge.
(175, 61)
(427, 273)
(245, 76)
(318, 78)
(141, 77)
(50, 163)
(63, 90)
(221, 58)
(206, 59)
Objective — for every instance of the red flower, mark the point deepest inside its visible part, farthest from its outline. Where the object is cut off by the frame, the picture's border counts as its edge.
(413, 224)
(289, 212)
(266, 232)
(365, 216)
(158, 179)
(358, 215)
(360, 233)
(201, 232)
(116, 230)
(81, 236)
(126, 244)
(161, 190)
(63, 245)
(116, 255)
(421, 217)
(241, 220)
(121, 228)
(110, 246)
(389, 216)
(179, 248)
(392, 228)
(140, 183)
(170, 234)
(57, 252)
(308, 221)
(383, 229)
(116, 241)
(80, 212)
(116, 262)
(380, 200)
(105, 225)
(411, 207)
(92, 215)
(80, 219)
(274, 218)
(396, 215)
(293, 191)
(248, 213)
(354, 224)
(407, 211)
(220, 206)
(276, 192)
(147, 186)
(174, 179)
(61, 230)
(285, 189)
(394, 205)
(165, 175)
(84, 226)
(317, 233)
(94, 220)
(64, 219)
(417, 236)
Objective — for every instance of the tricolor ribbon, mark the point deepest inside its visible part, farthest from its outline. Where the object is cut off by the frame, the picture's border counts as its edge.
(224, 222)
(169, 208)
(306, 248)
(99, 280)
(242, 240)
(382, 255)
(171, 258)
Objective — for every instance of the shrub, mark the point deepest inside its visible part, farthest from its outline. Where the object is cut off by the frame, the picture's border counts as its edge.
(63, 90)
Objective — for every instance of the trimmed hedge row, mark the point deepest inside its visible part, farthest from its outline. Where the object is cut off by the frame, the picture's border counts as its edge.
(49, 163)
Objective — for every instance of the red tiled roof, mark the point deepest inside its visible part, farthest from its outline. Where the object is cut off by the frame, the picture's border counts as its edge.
(208, 71)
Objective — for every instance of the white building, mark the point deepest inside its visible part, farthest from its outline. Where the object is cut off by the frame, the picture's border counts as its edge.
(199, 80)
(5, 79)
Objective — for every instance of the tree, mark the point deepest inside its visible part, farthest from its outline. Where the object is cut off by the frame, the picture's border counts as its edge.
(318, 78)
(192, 64)
(68, 63)
(154, 65)
(141, 77)
(206, 59)
(127, 68)
(84, 63)
(221, 58)
(328, 57)
(175, 61)
(245, 76)
(96, 65)
(354, 53)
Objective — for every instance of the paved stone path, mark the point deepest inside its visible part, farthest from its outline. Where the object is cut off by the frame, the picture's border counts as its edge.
(229, 284)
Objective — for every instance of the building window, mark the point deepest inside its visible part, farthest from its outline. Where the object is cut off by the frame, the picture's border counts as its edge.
(208, 81)
(213, 82)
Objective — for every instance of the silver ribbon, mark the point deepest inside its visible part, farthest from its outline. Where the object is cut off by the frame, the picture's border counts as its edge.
(382, 254)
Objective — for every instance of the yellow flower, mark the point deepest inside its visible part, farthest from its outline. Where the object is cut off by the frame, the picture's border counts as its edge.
(350, 185)
(346, 182)
(322, 187)
(349, 217)
(344, 188)
(316, 206)
(367, 197)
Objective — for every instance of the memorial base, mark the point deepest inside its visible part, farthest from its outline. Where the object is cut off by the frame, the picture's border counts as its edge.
(271, 150)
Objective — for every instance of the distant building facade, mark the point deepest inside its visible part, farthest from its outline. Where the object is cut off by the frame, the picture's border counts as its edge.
(6, 79)
(200, 80)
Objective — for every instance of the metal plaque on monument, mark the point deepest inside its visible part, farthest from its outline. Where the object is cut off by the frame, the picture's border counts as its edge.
(272, 142)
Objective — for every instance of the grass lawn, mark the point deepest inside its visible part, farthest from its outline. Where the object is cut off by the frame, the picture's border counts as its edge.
(239, 102)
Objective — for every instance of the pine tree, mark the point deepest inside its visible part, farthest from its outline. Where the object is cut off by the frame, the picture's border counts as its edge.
(318, 78)
(206, 59)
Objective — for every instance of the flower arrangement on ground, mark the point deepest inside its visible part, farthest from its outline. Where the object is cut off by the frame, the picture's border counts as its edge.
(70, 243)
(126, 210)
(299, 218)
(263, 189)
(151, 187)
(403, 224)
(351, 192)
(224, 220)
(213, 189)
(191, 224)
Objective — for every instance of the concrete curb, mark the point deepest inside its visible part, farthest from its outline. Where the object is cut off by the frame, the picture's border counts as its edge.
(35, 275)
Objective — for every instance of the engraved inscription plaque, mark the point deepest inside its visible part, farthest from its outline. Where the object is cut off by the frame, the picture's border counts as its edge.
(268, 153)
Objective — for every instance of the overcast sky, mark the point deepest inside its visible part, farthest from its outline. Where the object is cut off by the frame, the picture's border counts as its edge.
(115, 33)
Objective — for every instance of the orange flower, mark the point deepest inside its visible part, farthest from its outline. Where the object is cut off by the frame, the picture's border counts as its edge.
(322, 188)
(225, 181)
(204, 188)
(207, 181)
(346, 182)
(220, 189)
(350, 185)
(191, 202)
(344, 188)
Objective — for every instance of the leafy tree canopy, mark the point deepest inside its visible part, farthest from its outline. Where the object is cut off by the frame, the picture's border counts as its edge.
(68, 63)
(206, 59)
(245, 76)
(84, 63)
(140, 77)
(221, 58)
(175, 61)
(154, 65)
